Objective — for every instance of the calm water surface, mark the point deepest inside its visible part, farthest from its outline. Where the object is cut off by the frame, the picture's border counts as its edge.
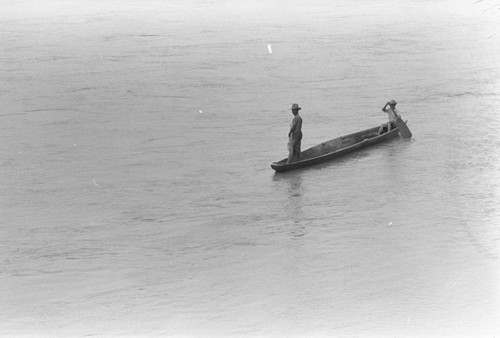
(137, 198)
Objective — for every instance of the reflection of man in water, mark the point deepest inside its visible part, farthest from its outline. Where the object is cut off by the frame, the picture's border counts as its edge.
(294, 207)
(295, 135)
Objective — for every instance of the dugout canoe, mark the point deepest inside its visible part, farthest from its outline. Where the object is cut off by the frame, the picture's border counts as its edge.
(336, 147)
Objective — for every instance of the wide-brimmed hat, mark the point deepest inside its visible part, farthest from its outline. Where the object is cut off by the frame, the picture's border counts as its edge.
(295, 107)
(393, 102)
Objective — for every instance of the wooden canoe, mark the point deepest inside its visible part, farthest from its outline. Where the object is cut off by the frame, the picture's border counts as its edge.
(336, 147)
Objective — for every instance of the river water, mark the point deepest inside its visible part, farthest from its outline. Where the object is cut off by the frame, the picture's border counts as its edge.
(137, 198)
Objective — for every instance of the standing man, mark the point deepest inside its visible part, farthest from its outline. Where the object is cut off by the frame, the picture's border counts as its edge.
(295, 135)
(392, 113)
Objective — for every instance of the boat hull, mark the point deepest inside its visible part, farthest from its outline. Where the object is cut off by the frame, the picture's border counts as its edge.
(335, 148)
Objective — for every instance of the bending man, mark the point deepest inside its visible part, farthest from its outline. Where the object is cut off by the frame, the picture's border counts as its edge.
(392, 113)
